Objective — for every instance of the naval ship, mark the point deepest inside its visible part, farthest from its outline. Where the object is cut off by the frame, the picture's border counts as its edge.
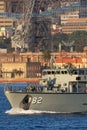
(60, 90)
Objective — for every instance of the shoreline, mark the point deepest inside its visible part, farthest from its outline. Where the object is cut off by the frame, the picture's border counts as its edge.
(13, 80)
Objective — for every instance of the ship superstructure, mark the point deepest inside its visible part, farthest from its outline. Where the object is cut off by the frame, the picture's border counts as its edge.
(61, 90)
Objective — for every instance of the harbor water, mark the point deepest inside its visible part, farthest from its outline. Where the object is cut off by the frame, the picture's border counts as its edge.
(18, 119)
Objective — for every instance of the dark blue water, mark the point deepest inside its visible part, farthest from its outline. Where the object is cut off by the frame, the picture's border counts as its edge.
(22, 120)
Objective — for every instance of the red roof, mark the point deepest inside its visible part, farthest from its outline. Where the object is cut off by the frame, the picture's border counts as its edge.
(68, 60)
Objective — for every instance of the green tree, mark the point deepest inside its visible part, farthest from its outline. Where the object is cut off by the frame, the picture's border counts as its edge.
(57, 39)
(80, 38)
(46, 55)
(5, 42)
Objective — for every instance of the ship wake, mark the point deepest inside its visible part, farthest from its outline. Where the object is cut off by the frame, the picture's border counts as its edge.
(19, 111)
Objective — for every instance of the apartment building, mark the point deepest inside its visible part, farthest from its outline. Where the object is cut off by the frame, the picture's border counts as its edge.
(77, 9)
(9, 13)
(5, 21)
(64, 17)
(2, 6)
(74, 24)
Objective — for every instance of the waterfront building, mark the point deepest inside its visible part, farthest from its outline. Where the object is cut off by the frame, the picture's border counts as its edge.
(20, 70)
(27, 65)
(14, 70)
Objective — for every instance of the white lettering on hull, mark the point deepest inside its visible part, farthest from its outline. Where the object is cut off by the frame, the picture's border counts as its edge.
(37, 100)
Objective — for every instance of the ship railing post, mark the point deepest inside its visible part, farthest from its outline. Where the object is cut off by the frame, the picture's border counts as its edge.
(77, 86)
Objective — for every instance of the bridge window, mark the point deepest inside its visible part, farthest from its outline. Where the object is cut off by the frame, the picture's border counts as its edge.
(65, 72)
(48, 72)
(57, 72)
(53, 72)
(62, 72)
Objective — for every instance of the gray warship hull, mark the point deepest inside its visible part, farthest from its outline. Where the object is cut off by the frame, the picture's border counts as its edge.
(54, 102)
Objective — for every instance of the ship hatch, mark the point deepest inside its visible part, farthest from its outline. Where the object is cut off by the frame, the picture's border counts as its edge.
(25, 103)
